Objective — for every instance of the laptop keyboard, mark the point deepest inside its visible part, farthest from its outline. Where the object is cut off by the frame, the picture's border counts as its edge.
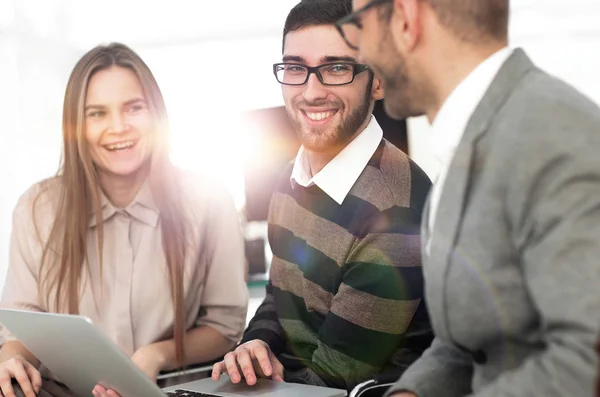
(186, 393)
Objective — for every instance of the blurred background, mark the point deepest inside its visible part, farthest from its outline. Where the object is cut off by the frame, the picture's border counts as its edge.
(213, 63)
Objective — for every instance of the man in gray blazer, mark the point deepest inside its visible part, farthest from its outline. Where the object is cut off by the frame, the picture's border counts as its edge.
(512, 232)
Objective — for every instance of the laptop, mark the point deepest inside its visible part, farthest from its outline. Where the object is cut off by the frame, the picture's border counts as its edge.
(81, 356)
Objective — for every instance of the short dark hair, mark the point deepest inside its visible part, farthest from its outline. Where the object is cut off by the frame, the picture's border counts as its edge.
(315, 13)
(472, 21)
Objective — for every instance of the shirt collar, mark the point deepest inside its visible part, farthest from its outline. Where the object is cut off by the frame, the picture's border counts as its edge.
(340, 174)
(451, 121)
(143, 208)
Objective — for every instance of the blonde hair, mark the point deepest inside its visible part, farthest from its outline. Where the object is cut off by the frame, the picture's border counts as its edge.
(80, 192)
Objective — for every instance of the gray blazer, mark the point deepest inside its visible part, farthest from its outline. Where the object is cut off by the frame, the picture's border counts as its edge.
(513, 272)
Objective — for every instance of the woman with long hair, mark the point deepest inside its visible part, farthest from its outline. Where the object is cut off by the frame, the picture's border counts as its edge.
(151, 254)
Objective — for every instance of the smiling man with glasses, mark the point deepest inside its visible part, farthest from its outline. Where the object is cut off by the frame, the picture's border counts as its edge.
(345, 294)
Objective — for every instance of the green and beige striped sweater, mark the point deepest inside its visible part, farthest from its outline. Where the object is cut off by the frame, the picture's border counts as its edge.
(345, 297)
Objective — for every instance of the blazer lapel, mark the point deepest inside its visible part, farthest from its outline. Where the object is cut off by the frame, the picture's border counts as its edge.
(457, 185)
(441, 238)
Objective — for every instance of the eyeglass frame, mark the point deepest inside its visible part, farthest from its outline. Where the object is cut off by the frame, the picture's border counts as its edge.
(357, 68)
(354, 19)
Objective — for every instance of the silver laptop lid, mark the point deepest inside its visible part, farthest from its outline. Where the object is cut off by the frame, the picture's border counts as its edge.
(264, 387)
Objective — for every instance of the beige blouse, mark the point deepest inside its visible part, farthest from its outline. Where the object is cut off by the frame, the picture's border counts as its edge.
(132, 303)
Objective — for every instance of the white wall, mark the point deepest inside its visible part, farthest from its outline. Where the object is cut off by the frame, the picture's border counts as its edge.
(206, 86)
(33, 69)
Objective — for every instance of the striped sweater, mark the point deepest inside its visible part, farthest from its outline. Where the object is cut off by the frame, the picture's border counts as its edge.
(345, 297)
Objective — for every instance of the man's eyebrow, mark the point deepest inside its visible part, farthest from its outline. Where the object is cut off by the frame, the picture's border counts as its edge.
(293, 58)
(329, 59)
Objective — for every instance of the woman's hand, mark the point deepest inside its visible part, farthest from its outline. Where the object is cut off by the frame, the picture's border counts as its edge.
(27, 375)
(100, 391)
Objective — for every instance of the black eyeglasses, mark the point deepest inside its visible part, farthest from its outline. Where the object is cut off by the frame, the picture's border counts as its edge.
(338, 73)
(350, 25)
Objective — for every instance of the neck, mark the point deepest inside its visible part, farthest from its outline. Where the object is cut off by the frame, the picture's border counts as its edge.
(455, 64)
(121, 190)
(318, 160)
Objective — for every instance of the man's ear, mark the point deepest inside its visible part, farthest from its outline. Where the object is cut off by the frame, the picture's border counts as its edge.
(377, 91)
(405, 24)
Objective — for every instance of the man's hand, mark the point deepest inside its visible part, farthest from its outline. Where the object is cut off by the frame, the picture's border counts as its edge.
(27, 375)
(255, 359)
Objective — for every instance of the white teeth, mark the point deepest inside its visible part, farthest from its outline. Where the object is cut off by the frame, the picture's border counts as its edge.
(120, 146)
(319, 116)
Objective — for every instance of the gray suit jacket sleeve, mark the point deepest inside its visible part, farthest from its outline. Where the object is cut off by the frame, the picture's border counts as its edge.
(442, 370)
(553, 211)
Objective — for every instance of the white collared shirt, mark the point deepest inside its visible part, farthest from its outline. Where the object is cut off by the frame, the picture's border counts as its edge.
(340, 174)
(451, 121)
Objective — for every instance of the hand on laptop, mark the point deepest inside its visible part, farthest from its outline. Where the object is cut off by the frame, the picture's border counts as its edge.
(254, 358)
(27, 375)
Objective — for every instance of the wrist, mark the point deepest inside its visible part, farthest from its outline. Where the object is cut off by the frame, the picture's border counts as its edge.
(155, 354)
(162, 359)
(15, 349)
